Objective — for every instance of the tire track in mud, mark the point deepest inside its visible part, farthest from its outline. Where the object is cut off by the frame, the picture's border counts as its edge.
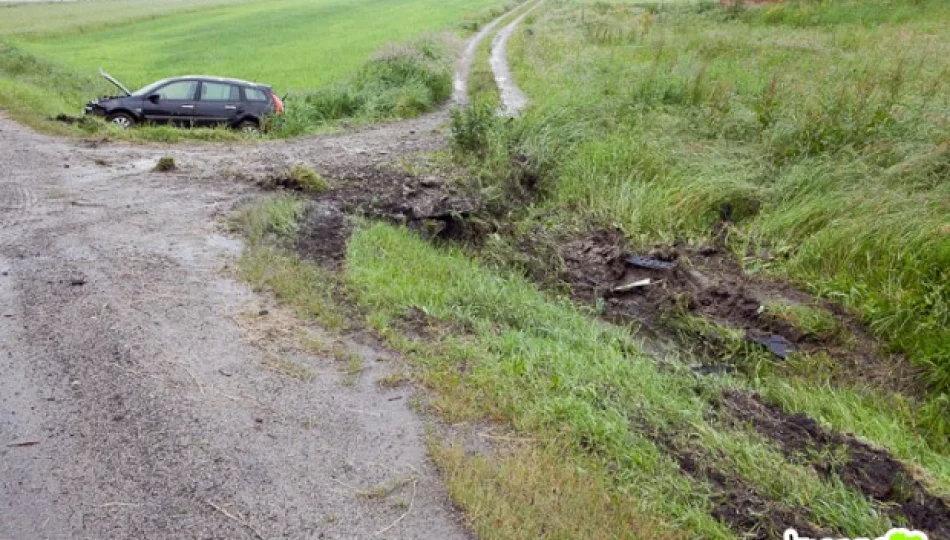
(513, 99)
(871, 471)
(439, 211)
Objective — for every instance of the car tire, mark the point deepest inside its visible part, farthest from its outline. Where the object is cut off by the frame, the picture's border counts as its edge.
(121, 120)
(249, 127)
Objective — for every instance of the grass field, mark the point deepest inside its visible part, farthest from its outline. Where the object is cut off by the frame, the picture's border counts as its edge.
(51, 54)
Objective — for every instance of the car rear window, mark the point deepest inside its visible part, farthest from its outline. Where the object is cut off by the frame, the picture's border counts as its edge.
(219, 92)
(178, 90)
(255, 94)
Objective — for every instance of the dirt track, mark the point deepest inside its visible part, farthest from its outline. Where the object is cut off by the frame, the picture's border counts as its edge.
(130, 399)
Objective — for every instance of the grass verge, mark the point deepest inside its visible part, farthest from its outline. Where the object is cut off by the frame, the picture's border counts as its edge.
(581, 388)
(608, 429)
(798, 129)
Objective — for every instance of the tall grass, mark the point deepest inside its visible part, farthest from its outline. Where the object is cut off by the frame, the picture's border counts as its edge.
(819, 130)
(398, 82)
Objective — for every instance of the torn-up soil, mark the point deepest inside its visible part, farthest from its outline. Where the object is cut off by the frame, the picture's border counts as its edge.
(865, 468)
(738, 504)
(707, 281)
(433, 207)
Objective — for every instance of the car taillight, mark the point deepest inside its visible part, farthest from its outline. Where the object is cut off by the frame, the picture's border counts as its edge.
(278, 104)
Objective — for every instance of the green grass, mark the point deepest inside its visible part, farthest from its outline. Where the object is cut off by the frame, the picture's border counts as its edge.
(580, 387)
(399, 82)
(818, 128)
(811, 321)
(315, 50)
(295, 45)
(45, 18)
(269, 265)
(578, 397)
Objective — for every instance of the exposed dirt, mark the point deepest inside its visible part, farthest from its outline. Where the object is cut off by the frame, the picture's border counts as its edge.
(132, 407)
(431, 206)
(738, 504)
(708, 281)
(460, 84)
(870, 470)
(139, 400)
(137, 396)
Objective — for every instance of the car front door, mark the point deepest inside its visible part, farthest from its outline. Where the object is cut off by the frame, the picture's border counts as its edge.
(171, 103)
(218, 103)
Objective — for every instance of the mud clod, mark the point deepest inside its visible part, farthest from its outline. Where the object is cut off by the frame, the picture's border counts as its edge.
(297, 178)
(165, 164)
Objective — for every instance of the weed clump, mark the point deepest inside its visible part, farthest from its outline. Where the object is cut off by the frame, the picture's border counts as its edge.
(279, 217)
(308, 179)
(165, 164)
(473, 127)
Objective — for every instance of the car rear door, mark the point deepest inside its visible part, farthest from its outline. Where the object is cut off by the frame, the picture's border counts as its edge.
(171, 103)
(218, 103)
(257, 102)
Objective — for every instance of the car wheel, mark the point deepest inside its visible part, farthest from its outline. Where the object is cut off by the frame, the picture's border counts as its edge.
(249, 127)
(122, 120)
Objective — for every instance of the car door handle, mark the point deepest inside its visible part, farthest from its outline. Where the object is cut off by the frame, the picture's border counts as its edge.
(230, 107)
(187, 106)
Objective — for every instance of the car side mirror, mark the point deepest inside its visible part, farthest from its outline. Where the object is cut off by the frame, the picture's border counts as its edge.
(154, 97)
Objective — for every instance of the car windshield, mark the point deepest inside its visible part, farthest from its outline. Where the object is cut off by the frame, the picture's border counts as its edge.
(148, 89)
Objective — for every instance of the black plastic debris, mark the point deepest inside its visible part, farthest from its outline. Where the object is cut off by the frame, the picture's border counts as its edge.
(705, 369)
(649, 262)
(776, 344)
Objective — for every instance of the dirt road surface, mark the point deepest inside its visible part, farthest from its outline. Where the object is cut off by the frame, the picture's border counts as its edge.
(132, 404)
(135, 396)
(513, 99)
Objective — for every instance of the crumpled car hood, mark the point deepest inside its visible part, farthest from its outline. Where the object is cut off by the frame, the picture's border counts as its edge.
(112, 79)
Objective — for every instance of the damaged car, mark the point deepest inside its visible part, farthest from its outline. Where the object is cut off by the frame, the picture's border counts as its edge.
(190, 101)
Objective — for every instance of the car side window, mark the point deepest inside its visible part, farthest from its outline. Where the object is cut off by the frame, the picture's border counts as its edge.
(254, 94)
(178, 90)
(219, 92)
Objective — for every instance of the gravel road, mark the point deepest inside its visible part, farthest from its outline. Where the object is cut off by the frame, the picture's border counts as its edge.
(132, 402)
(135, 396)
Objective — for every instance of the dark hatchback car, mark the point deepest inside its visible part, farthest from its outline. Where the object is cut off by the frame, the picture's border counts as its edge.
(190, 101)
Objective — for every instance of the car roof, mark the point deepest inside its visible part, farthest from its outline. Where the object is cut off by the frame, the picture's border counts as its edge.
(215, 79)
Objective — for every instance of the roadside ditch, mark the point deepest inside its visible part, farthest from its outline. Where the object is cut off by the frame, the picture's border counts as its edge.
(657, 290)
